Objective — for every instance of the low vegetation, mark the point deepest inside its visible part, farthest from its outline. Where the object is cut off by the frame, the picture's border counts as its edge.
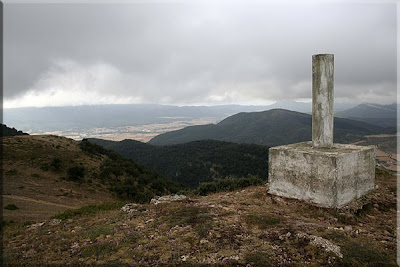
(11, 207)
(89, 210)
(227, 185)
(247, 227)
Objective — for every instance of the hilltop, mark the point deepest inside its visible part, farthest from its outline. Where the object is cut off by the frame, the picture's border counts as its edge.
(271, 128)
(7, 131)
(381, 115)
(242, 228)
(44, 175)
(196, 162)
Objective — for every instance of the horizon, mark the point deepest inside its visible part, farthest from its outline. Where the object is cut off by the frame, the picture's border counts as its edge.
(205, 105)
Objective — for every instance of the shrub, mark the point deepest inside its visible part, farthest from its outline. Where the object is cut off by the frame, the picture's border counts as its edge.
(227, 184)
(56, 164)
(259, 259)
(364, 254)
(11, 172)
(11, 207)
(76, 173)
(262, 221)
(97, 230)
(99, 250)
(45, 167)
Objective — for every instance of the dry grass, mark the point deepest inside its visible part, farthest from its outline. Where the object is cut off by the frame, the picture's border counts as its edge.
(35, 168)
(224, 229)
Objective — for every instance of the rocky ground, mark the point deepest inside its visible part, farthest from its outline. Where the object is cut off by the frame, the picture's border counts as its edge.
(242, 228)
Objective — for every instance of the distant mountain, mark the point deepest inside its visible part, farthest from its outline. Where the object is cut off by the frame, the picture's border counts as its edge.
(381, 115)
(304, 107)
(7, 131)
(195, 162)
(291, 105)
(271, 128)
(82, 118)
(96, 116)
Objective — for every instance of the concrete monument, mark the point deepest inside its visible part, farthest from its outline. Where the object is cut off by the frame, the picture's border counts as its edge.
(321, 172)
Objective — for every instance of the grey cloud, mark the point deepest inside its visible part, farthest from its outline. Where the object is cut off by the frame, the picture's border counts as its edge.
(193, 53)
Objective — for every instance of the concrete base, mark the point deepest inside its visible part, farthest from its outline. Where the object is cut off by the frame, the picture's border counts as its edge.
(330, 177)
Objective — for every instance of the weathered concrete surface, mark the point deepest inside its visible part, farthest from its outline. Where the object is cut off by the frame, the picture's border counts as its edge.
(322, 99)
(326, 177)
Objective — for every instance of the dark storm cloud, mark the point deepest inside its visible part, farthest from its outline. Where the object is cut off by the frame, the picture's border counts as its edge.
(189, 53)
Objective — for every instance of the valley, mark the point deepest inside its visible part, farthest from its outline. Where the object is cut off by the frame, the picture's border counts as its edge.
(143, 133)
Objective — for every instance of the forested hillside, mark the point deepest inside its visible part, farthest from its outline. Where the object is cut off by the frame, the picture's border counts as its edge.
(271, 128)
(196, 162)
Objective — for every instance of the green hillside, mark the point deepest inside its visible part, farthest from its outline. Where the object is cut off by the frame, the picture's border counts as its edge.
(196, 162)
(270, 128)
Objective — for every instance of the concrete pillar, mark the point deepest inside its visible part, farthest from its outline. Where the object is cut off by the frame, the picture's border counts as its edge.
(322, 98)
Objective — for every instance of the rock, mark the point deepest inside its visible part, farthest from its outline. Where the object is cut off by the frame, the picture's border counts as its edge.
(318, 241)
(130, 207)
(55, 222)
(35, 226)
(386, 233)
(184, 257)
(166, 199)
(348, 228)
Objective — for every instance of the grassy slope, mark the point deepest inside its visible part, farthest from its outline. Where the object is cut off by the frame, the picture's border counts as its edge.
(227, 229)
(37, 177)
(37, 189)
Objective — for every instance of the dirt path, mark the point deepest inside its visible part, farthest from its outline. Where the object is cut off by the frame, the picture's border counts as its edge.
(38, 201)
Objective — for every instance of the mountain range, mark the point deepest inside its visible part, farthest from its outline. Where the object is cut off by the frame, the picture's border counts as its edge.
(42, 119)
(271, 128)
(50, 119)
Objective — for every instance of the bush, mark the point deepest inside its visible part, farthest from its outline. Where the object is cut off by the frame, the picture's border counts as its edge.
(11, 207)
(55, 164)
(45, 167)
(76, 173)
(365, 254)
(262, 221)
(259, 259)
(227, 184)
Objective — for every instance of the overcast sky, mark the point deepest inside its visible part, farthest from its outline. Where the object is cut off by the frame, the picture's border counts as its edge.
(192, 53)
